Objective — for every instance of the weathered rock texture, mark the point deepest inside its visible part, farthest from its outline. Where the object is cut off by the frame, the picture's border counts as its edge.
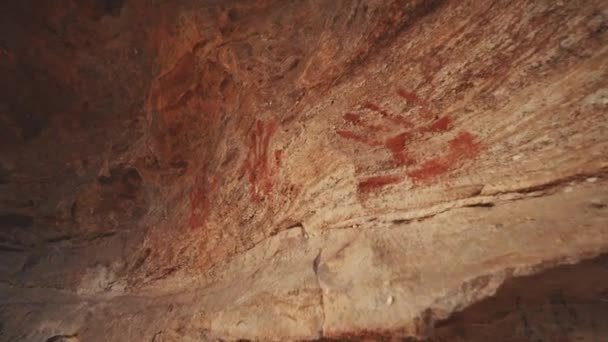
(300, 170)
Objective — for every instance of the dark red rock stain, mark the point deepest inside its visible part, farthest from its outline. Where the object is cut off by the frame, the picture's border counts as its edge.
(461, 147)
(429, 170)
(464, 146)
(260, 170)
(278, 156)
(409, 96)
(441, 125)
(397, 146)
(353, 118)
(377, 182)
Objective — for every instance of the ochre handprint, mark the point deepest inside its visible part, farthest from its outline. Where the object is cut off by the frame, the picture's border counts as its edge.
(398, 134)
(260, 165)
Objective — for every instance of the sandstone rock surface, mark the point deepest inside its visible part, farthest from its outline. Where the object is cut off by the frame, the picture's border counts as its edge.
(303, 170)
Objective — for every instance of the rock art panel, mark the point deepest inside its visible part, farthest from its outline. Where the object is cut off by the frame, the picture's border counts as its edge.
(403, 134)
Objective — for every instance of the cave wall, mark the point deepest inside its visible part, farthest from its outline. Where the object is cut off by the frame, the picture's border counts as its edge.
(292, 170)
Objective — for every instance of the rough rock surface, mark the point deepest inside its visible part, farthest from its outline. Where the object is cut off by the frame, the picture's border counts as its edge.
(300, 170)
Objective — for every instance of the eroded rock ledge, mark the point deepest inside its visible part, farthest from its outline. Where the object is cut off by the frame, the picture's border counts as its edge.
(343, 283)
(272, 170)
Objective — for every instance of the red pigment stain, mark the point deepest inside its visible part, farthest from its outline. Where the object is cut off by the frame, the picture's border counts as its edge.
(258, 168)
(409, 96)
(200, 203)
(415, 99)
(377, 182)
(441, 125)
(353, 136)
(397, 146)
(395, 119)
(464, 146)
(353, 118)
(278, 157)
(461, 147)
(429, 170)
